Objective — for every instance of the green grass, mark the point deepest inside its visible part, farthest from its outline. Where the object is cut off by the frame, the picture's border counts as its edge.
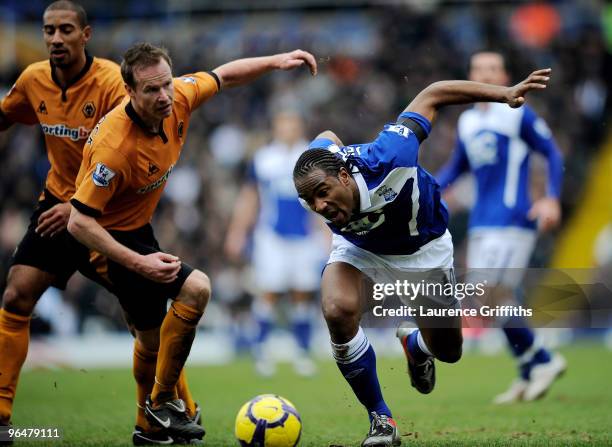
(97, 407)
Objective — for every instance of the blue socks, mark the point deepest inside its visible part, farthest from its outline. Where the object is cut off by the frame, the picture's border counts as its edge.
(357, 363)
(522, 342)
(263, 330)
(263, 312)
(301, 325)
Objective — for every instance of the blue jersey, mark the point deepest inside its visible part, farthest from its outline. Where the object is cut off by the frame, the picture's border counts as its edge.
(494, 144)
(272, 172)
(399, 202)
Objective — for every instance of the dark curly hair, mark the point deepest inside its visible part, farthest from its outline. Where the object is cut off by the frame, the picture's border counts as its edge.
(322, 159)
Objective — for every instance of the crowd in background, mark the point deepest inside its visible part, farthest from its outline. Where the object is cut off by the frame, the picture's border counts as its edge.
(372, 62)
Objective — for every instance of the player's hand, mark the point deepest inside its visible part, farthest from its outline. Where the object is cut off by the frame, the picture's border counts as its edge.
(547, 212)
(159, 267)
(54, 220)
(535, 81)
(297, 58)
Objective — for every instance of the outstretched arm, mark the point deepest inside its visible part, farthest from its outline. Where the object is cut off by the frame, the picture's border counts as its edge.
(444, 93)
(243, 71)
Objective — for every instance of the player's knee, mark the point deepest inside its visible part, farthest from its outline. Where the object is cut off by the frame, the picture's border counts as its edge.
(450, 349)
(339, 314)
(445, 344)
(18, 301)
(196, 290)
(450, 355)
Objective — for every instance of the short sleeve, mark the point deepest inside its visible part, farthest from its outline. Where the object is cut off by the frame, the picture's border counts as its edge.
(16, 105)
(197, 87)
(397, 145)
(321, 143)
(419, 119)
(104, 174)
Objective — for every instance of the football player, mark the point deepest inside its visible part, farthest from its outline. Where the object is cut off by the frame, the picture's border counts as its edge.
(495, 142)
(66, 95)
(288, 250)
(126, 162)
(387, 217)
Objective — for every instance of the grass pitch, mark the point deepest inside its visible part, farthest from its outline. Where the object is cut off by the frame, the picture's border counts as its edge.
(96, 407)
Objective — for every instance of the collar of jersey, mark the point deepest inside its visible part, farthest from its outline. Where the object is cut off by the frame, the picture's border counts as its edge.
(129, 109)
(79, 76)
(364, 192)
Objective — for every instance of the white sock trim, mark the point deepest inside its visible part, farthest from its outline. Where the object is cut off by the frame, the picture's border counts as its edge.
(353, 350)
(527, 356)
(423, 345)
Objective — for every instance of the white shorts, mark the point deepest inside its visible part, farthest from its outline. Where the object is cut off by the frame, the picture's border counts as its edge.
(501, 255)
(283, 264)
(436, 254)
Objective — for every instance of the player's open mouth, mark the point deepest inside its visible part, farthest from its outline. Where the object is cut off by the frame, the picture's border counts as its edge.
(335, 216)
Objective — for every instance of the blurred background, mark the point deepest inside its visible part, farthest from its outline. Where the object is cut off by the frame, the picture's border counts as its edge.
(374, 57)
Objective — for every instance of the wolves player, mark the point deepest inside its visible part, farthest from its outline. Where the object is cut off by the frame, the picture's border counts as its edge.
(287, 252)
(494, 142)
(66, 94)
(126, 162)
(386, 213)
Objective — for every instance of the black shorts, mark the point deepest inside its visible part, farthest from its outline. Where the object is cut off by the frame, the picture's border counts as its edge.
(144, 301)
(60, 255)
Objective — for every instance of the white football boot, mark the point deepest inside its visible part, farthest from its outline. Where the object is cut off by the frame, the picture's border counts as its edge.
(543, 375)
(512, 394)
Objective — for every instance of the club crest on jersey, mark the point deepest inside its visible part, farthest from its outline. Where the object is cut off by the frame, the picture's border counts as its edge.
(89, 109)
(387, 193)
(42, 108)
(102, 175)
(152, 169)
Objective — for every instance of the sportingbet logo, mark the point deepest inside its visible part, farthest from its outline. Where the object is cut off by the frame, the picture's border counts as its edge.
(63, 131)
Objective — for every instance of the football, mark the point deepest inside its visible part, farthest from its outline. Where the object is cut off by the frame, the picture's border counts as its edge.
(268, 420)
